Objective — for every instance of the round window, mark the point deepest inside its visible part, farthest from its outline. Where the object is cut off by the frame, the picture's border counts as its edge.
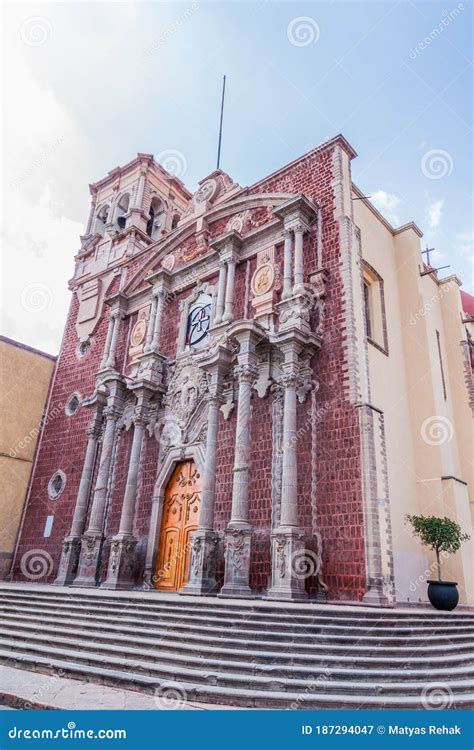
(73, 404)
(56, 484)
(83, 348)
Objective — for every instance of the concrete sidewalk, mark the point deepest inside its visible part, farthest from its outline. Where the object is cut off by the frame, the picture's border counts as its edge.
(26, 690)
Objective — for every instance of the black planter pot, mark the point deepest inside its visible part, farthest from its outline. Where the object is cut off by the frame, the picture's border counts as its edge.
(443, 595)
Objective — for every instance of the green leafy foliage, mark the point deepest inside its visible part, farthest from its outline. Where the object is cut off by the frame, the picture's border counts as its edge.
(439, 534)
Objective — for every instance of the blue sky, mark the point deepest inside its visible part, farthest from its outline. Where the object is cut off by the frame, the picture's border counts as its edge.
(88, 85)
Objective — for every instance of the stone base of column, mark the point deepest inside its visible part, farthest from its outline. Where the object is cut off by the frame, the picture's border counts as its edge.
(203, 564)
(121, 573)
(288, 583)
(375, 596)
(69, 562)
(88, 561)
(237, 563)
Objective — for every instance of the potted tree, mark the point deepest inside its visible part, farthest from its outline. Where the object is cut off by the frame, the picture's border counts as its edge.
(440, 535)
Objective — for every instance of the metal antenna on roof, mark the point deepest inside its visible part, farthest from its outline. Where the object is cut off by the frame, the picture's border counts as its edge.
(220, 124)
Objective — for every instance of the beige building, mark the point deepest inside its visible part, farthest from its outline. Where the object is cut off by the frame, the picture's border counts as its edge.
(419, 329)
(25, 377)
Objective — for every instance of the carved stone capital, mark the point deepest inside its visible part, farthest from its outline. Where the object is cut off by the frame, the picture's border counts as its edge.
(246, 373)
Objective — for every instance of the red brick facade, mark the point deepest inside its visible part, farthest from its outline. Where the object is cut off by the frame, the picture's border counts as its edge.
(334, 508)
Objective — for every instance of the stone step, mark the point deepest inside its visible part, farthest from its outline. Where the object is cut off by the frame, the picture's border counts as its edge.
(229, 640)
(245, 653)
(318, 630)
(207, 675)
(315, 627)
(74, 597)
(111, 633)
(371, 642)
(243, 696)
(197, 660)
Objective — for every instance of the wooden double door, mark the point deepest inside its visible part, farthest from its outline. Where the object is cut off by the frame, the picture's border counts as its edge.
(180, 517)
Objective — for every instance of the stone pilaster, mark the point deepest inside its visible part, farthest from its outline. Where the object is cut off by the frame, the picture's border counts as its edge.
(122, 561)
(91, 544)
(72, 543)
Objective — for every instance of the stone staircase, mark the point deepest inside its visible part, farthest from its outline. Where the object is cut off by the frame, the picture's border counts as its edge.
(253, 654)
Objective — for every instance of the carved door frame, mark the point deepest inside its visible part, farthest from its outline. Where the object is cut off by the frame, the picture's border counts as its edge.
(173, 457)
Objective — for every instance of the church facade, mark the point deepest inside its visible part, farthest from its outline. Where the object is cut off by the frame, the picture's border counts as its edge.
(255, 386)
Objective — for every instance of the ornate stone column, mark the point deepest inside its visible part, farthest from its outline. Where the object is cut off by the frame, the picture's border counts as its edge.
(92, 540)
(229, 291)
(228, 249)
(72, 543)
(238, 535)
(160, 303)
(122, 561)
(205, 541)
(298, 287)
(288, 544)
(287, 262)
(220, 292)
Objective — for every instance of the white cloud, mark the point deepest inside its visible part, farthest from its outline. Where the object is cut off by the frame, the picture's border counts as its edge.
(435, 211)
(387, 204)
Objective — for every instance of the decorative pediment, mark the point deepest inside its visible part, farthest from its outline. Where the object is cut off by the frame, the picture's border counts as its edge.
(239, 207)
